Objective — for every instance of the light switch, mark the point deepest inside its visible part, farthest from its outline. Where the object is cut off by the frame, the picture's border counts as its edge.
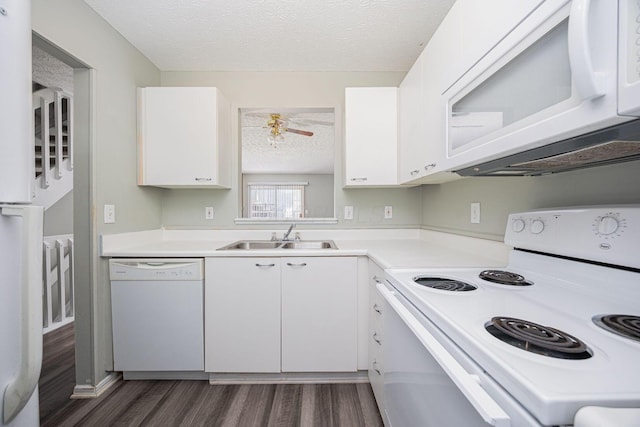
(109, 214)
(475, 213)
(348, 212)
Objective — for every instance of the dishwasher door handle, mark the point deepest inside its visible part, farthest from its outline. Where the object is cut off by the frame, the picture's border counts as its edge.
(153, 265)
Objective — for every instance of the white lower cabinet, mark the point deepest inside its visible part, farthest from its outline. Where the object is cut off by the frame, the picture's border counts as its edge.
(270, 315)
(242, 315)
(319, 314)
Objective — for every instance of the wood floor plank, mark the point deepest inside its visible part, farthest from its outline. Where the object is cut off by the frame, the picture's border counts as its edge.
(371, 415)
(195, 403)
(286, 408)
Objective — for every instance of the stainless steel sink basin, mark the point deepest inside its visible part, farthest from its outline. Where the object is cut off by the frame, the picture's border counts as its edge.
(279, 244)
(310, 244)
(252, 244)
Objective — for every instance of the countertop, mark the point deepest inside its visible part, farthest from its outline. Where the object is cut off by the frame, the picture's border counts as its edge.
(389, 248)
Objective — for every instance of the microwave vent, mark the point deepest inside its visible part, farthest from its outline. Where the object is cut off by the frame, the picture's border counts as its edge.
(597, 153)
(616, 144)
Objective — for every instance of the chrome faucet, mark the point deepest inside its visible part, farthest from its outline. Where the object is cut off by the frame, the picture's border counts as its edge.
(286, 235)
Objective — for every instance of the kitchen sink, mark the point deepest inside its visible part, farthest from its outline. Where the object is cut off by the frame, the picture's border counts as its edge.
(252, 244)
(279, 244)
(310, 244)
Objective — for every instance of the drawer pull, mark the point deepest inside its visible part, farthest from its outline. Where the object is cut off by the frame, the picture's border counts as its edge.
(376, 308)
(265, 265)
(302, 264)
(374, 365)
(376, 339)
(377, 279)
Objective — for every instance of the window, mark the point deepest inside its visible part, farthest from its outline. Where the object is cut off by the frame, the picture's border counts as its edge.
(276, 200)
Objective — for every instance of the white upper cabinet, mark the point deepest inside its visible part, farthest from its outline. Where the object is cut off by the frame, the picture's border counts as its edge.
(412, 126)
(184, 135)
(371, 136)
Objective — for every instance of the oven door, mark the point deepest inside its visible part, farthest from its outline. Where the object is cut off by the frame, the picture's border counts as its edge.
(427, 384)
(553, 77)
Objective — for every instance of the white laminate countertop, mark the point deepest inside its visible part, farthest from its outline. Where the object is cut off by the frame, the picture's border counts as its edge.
(389, 248)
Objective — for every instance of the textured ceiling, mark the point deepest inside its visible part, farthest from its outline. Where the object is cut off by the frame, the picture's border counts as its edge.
(276, 35)
(297, 154)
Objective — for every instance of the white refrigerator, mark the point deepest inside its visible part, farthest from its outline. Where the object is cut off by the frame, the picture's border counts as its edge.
(20, 226)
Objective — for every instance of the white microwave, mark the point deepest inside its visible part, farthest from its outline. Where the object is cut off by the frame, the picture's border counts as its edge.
(569, 68)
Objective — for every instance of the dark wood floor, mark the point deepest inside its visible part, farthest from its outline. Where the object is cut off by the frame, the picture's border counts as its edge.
(195, 403)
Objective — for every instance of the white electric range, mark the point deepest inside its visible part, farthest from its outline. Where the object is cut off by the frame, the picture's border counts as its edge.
(533, 335)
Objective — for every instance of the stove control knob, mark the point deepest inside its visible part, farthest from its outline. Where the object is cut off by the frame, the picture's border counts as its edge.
(517, 225)
(537, 226)
(608, 225)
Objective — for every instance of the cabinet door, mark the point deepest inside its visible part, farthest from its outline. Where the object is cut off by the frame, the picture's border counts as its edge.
(371, 136)
(412, 136)
(179, 129)
(242, 315)
(319, 314)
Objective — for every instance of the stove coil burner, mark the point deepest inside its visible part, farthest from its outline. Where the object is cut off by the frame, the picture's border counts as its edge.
(504, 278)
(624, 325)
(444, 284)
(537, 339)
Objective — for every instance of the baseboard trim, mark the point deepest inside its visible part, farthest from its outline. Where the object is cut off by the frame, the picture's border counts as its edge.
(164, 375)
(84, 391)
(291, 378)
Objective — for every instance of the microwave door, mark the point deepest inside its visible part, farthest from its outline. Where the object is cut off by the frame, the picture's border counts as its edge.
(629, 58)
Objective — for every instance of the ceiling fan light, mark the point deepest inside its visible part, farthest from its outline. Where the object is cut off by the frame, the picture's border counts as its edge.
(274, 140)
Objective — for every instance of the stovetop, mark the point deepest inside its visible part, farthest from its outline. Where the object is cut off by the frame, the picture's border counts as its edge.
(551, 388)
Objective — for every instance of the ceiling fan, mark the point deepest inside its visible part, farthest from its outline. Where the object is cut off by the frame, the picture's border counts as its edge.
(279, 123)
(278, 126)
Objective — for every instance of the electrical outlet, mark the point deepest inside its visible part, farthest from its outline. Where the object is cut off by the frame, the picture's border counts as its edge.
(388, 212)
(109, 214)
(208, 212)
(348, 212)
(475, 213)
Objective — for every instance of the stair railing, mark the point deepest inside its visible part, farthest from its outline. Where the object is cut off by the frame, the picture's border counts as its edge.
(58, 285)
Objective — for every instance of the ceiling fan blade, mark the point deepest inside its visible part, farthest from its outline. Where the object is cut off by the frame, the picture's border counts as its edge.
(299, 132)
(310, 122)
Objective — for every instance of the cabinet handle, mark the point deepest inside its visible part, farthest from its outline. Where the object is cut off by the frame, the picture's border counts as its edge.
(429, 166)
(376, 339)
(265, 265)
(374, 365)
(376, 308)
(199, 179)
(302, 264)
(359, 179)
(377, 279)
(414, 172)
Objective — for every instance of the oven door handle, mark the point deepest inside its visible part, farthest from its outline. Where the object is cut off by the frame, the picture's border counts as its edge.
(468, 384)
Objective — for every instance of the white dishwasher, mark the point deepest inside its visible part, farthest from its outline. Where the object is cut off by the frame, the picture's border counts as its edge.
(157, 314)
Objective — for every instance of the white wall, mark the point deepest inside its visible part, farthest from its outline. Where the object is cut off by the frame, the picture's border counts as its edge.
(105, 170)
(185, 209)
(446, 207)
(58, 219)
